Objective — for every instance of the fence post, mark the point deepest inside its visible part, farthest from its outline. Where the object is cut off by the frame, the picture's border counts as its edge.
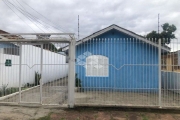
(20, 66)
(71, 73)
(159, 71)
(41, 80)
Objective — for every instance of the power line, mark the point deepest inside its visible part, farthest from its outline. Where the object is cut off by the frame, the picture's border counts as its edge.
(24, 14)
(78, 27)
(158, 23)
(34, 18)
(17, 14)
(45, 18)
(30, 16)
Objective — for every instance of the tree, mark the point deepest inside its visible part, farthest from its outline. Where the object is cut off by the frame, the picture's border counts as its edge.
(166, 35)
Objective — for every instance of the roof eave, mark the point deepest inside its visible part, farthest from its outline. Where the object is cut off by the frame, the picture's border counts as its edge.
(119, 29)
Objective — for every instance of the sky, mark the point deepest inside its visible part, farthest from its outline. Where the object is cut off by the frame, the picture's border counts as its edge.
(139, 16)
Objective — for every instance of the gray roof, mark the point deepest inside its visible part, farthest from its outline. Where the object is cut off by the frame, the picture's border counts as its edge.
(120, 29)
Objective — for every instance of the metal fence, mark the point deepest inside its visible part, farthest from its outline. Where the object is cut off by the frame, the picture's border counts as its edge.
(100, 72)
(170, 76)
(33, 69)
(126, 72)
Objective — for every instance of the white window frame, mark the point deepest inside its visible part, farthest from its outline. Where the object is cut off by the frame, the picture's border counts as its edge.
(96, 59)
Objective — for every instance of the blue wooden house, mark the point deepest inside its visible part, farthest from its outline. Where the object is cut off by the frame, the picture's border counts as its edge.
(117, 59)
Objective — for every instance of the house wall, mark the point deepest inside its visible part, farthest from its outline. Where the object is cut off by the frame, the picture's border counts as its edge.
(170, 81)
(1, 50)
(133, 65)
(52, 70)
(171, 64)
(177, 70)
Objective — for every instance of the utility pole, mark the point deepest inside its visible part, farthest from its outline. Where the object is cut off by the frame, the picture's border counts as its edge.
(78, 27)
(158, 23)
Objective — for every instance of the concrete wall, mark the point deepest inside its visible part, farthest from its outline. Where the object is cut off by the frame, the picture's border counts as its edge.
(52, 69)
(171, 81)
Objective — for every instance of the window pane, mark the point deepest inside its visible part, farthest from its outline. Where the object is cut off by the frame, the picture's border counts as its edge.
(97, 65)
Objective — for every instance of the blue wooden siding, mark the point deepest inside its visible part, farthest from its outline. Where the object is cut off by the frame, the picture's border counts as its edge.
(133, 65)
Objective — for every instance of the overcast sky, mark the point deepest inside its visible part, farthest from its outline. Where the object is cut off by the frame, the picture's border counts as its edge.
(139, 16)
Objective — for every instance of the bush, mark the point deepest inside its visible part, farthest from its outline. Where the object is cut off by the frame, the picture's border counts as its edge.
(3, 90)
(37, 78)
(27, 85)
(8, 91)
(78, 81)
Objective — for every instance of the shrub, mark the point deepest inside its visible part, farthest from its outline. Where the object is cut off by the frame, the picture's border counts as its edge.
(37, 78)
(78, 81)
(8, 91)
(27, 85)
(3, 89)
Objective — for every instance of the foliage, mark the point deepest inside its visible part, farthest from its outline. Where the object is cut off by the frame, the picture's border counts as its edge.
(29, 85)
(3, 89)
(144, 117)
(60, 50)
(166, 35)
(37, 78)
(8, 91)
(48, 117)
(50, 47)
(36, 81)
(78, 81)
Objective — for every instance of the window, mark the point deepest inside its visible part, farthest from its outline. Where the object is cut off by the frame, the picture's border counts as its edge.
(175, 62)
(11, 51)
(163, 62)
(97, 65)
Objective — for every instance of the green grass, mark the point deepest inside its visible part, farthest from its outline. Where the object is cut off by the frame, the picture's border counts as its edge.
(48, 117)
(144, 117)
(95, 117)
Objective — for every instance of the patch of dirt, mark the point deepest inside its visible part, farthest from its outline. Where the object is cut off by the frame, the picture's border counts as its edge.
(167, 117)
(96, 114)
(21, 113)
(27, 113)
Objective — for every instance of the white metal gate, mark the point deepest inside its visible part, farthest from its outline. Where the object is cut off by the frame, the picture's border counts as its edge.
(35, 70)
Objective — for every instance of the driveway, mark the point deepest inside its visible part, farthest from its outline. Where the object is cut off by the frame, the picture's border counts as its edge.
(54, 92)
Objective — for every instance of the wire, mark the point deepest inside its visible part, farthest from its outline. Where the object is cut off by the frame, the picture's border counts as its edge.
(17, 15)
(24, 15)
(30, 16)
(44, 17)
(34, 18)
(40, 22)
